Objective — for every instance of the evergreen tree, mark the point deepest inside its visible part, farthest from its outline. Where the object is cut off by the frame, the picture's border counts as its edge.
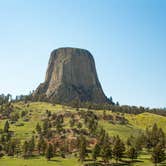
(101, 136)
(139, 142)
(118, 149)
(38, 128)
(13, 147)
(25, 149)
(82, 148)
(45, 127)
(41, 146)
(148, 143)
(132, 153)
(31, 146)
(6, 127)
(106, 153)
(95, 152)
(162, 138)
(1, 148)
(72, 121)
(129, 141)
(154, 135)
(104, 115)
(158, 154)
(58, 123)
(49, 152)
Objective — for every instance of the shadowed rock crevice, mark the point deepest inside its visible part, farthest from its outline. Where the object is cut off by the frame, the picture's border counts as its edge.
(71, 75)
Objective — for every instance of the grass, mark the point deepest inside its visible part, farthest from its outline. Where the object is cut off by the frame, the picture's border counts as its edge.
(143, 160)
(144, 120)
(7, 161)
(35, 110)
(124, 131)
(136, 122)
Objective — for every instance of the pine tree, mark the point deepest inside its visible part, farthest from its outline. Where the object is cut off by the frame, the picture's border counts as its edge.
(6, 127)
(72, 121)
(128, 142)
(13, 147)
(158, 154)
(132, 153)
(59, 123)
(1, 148)
(148, 143)
(154, 135)
(41, 146)
(162, 139)
(25, 149)
(95, 152)
(118, 149)
(106, 153)
(45, 127)
(101, 136)
(38, 128)
(139, 142)
(31, 146)
(82, 148)
(49, 152)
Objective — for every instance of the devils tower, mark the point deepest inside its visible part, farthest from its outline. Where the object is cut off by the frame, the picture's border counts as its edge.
(71, 75)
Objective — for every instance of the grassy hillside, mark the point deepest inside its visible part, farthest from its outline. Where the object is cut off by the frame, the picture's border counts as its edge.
(7, 161)
(144, 120)
(136, 123)
(23, 129)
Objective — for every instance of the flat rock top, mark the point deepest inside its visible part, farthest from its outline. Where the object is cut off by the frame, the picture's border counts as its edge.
(69, 52)
(69, 49)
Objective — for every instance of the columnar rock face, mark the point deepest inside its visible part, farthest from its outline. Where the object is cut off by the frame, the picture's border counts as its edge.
(71, 75)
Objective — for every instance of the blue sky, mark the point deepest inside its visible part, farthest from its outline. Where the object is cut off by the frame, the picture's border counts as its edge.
(126, 37)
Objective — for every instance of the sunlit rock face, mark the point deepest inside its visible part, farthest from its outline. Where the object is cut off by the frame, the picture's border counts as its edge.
(71, 75)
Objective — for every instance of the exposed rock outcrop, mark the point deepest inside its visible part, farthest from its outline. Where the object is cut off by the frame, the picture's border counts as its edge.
(71, 75)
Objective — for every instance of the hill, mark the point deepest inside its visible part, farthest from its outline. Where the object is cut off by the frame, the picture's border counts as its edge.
(29, 115)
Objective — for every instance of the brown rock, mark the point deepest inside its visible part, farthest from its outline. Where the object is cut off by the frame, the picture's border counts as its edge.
(71, 75)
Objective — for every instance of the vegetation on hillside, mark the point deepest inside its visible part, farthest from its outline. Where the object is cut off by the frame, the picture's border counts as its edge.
(81, 136)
